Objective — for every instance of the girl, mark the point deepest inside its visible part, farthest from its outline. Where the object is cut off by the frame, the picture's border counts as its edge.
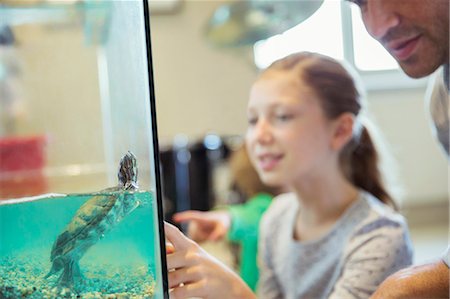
(238, 223)
(337, 234)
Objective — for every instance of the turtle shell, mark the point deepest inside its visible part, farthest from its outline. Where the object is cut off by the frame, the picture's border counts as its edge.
(87, 218)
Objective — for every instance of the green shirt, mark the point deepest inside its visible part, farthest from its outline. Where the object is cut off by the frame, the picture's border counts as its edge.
(244, 231)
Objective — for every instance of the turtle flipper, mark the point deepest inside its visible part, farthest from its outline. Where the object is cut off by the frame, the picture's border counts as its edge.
(71, 275)
(57, 265)
(77, 275)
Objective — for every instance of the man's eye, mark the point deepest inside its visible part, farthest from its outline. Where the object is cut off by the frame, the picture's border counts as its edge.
(360, 3)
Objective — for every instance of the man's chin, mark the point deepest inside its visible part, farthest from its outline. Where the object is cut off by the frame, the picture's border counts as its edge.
(417, 70)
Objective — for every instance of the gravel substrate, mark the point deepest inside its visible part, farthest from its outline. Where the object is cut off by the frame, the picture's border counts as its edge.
(23, 277)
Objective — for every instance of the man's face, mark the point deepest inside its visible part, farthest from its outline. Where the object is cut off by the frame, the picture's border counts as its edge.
(415, 32)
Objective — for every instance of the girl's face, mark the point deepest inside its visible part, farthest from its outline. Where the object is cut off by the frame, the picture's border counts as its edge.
(288, 136)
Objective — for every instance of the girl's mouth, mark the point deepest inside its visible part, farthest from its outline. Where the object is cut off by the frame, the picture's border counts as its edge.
(268, 162)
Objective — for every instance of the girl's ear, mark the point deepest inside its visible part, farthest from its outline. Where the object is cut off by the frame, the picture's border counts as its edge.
(343, 130)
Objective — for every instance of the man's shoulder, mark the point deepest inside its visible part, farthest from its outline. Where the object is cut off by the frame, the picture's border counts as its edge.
(437, 96)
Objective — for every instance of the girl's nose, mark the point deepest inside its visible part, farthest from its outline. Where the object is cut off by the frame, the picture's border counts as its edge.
(263, 132)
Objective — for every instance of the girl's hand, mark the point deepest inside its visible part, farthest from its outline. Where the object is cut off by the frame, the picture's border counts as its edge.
(194, 273)
(205, 226)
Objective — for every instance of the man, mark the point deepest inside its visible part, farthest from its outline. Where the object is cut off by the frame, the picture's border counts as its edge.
(416, 34)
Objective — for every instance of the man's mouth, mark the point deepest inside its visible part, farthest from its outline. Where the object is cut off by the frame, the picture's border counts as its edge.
(403, 49)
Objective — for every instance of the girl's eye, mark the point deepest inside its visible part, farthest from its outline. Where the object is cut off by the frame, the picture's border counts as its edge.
(283, 117)
(252, 121)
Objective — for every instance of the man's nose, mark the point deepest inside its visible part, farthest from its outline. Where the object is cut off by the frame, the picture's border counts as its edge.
(379, 17)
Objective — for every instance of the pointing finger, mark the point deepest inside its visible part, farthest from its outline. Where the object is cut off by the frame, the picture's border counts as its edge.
(189, 215)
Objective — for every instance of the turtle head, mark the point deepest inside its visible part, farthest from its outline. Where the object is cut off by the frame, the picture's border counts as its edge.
(128, 172)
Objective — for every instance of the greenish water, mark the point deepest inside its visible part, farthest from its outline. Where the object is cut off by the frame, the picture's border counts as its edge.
(122, 264)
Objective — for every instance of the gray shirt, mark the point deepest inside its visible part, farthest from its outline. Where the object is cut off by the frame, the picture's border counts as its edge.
(368, 243)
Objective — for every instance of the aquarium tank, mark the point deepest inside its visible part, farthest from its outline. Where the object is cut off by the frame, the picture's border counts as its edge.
(80, 201)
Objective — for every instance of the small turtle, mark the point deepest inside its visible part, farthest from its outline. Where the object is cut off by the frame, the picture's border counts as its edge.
(92, 220)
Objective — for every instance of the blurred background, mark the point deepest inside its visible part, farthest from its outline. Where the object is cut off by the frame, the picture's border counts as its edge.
(202, 78)
(202, 88)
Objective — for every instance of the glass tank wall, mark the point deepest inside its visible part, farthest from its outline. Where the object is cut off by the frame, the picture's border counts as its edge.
(79, 205)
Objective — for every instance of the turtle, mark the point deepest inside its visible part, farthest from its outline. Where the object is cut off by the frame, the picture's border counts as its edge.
(93, 219)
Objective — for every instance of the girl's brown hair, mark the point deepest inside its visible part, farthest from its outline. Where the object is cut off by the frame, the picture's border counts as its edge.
(338, 94)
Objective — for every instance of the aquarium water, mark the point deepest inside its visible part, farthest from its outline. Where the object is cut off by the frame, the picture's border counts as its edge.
(122, 264)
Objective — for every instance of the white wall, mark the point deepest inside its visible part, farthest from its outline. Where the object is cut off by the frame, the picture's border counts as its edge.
(200, 89)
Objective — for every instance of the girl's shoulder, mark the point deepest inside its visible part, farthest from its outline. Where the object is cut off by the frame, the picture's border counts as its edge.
(379, 210)
(380, 219)
(283, 206)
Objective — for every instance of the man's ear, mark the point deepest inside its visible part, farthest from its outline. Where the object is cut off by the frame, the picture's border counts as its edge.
(342, 130)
